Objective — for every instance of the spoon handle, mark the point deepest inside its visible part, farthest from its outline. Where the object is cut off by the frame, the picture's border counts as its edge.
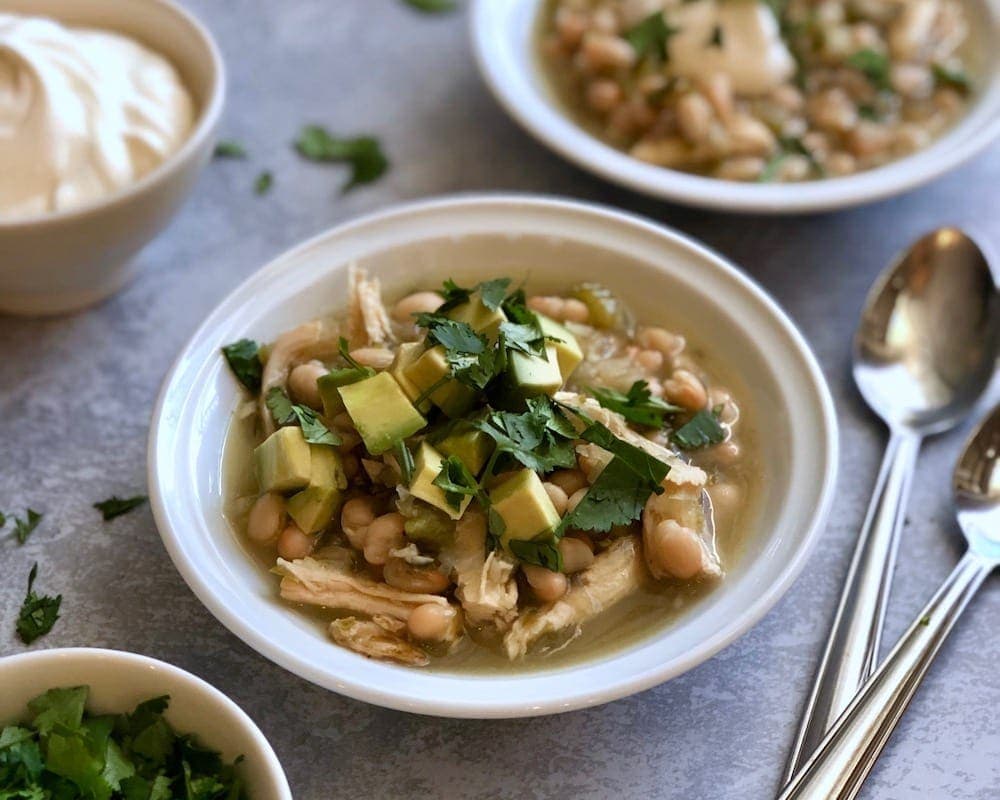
(853, 644)
(839, 767)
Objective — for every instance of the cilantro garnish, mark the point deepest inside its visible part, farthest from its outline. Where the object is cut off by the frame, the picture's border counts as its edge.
(952, 77)
(470, 357)
(38, 612)
(3, 519)
(363, 153)
(717, 37)
(228, 148)
(873, 65)
(263, 182)
(788, 146)
(431, 6)
(650, 37)
(456, 481)
(541, 438)
(115, 506)
(702, 430)
(405, 460)
(544, 554)
(491, 294)
(243, 358)
(638, 405)
(24, 527)
(285, 412)
(65, 752)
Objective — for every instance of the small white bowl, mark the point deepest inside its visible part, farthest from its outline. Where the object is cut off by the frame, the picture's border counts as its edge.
(119, 681)
(503, 35)
(66, 260)
(664, 276)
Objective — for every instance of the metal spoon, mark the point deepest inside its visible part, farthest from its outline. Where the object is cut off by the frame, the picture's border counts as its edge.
(923, 354)
(847, 754)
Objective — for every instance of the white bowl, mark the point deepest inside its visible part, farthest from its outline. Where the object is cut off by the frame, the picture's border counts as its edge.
(119, 681)
(62, 261)
(503, 35)
(663, 275)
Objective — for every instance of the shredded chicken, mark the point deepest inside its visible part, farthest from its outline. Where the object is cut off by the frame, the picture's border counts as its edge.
(615, 574)
(680, 471)
(367, 320)
(331, 584)
(374, 639)
(684, 505)
(314, 339)
(486, 586)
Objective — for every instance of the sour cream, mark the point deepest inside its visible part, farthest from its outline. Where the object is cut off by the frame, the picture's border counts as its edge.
(83, 114)
(740, 38)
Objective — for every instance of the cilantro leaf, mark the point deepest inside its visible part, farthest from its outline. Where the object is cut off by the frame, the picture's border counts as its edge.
(716, 39)
(115, 506)
(405, 460)
(544, 554)
(471, 360)
(38, 612)
(650, 36)
(263, 183)
(229, 148)
(243, 358)
(3, 519)
(702, 430)
(540, 438)
(492, 293)
(638, 405)
(23, 528)
(527, 338)
(650, 470)
(285, 412)
(362, 153)
(431, 6)
(954, 78)
(873, 65)
(456, 481)
(62, 708)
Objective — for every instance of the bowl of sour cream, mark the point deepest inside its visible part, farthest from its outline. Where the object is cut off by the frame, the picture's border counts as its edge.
(108, 111)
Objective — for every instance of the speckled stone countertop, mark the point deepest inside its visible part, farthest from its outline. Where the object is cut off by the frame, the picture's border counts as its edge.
(76, 396)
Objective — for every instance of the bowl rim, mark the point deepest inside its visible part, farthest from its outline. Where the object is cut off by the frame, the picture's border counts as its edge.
(208, 117)
(493, 707)
(126, 661)
(540, 116)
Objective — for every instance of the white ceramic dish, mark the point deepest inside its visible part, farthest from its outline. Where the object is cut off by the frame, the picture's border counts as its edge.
(118, 681)
(59, 262)
(503, 39)
(664, 276)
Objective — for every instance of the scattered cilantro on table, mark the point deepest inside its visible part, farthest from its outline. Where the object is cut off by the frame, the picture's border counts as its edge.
(263, 183)
(25, 526)
(38, 612)
(432, 6)
(362, 153)
(115, 506)
(229, 148)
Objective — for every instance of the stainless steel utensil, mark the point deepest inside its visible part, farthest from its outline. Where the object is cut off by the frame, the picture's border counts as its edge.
(925, 349)
(839, 767)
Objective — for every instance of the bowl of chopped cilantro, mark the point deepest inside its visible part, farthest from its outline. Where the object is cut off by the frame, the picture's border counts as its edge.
(81, 722)
(493, 456)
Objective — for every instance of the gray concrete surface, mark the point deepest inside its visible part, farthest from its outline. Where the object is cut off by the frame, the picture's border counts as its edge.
(76, 395)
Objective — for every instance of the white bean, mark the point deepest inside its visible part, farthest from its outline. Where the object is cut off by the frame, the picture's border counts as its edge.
(569, 480)
(417, 303)
(302, 383)
(557, 496)
(385, 533)
(294, 544)
(674, 550)
(355, 517)
(547, 585)
(267, 518)
(431, 622)
(576, 555)
(684, 389)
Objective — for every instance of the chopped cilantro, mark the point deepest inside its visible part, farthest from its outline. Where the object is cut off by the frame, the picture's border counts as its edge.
(650, 37)
(23, 528)
(702, 430)
(362, 153)
(64, 752)
(456, 481)
(243, 358)
(717, 37)
(638, 405)
(873, 65)
(228, 148)
(491, 294)
(544, 554)
(115, 506)
(431, 6)
(38, 612)
(541, 438)
(405, 460)
(788, 146)
(925, 620)
(471, 359)
(3, 519)
(285, 412)
(952, 77)
(263, 182)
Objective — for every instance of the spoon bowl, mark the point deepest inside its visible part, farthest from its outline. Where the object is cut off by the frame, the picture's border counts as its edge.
(977, 488)
(929, 336)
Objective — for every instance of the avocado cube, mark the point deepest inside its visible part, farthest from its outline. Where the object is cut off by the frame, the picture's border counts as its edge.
(452, 397)
(473, 448)
(478, 317)
(405, 356)
(426, 467)
(329, 387)
(381, 412)
(313, 508)
(567, 348)
(283, 461)
(534, 375)
(525, 508)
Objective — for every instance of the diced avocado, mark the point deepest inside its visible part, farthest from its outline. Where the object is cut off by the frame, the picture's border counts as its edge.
(426, 467)
(381, 411)
(524, 506)
(314, 507)
(478, 317)
(533, 375)
(473, 448)
(452, 397)
(567, 348)
(329, 387)
(429, 526)
(283, 461)
(405, 356)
